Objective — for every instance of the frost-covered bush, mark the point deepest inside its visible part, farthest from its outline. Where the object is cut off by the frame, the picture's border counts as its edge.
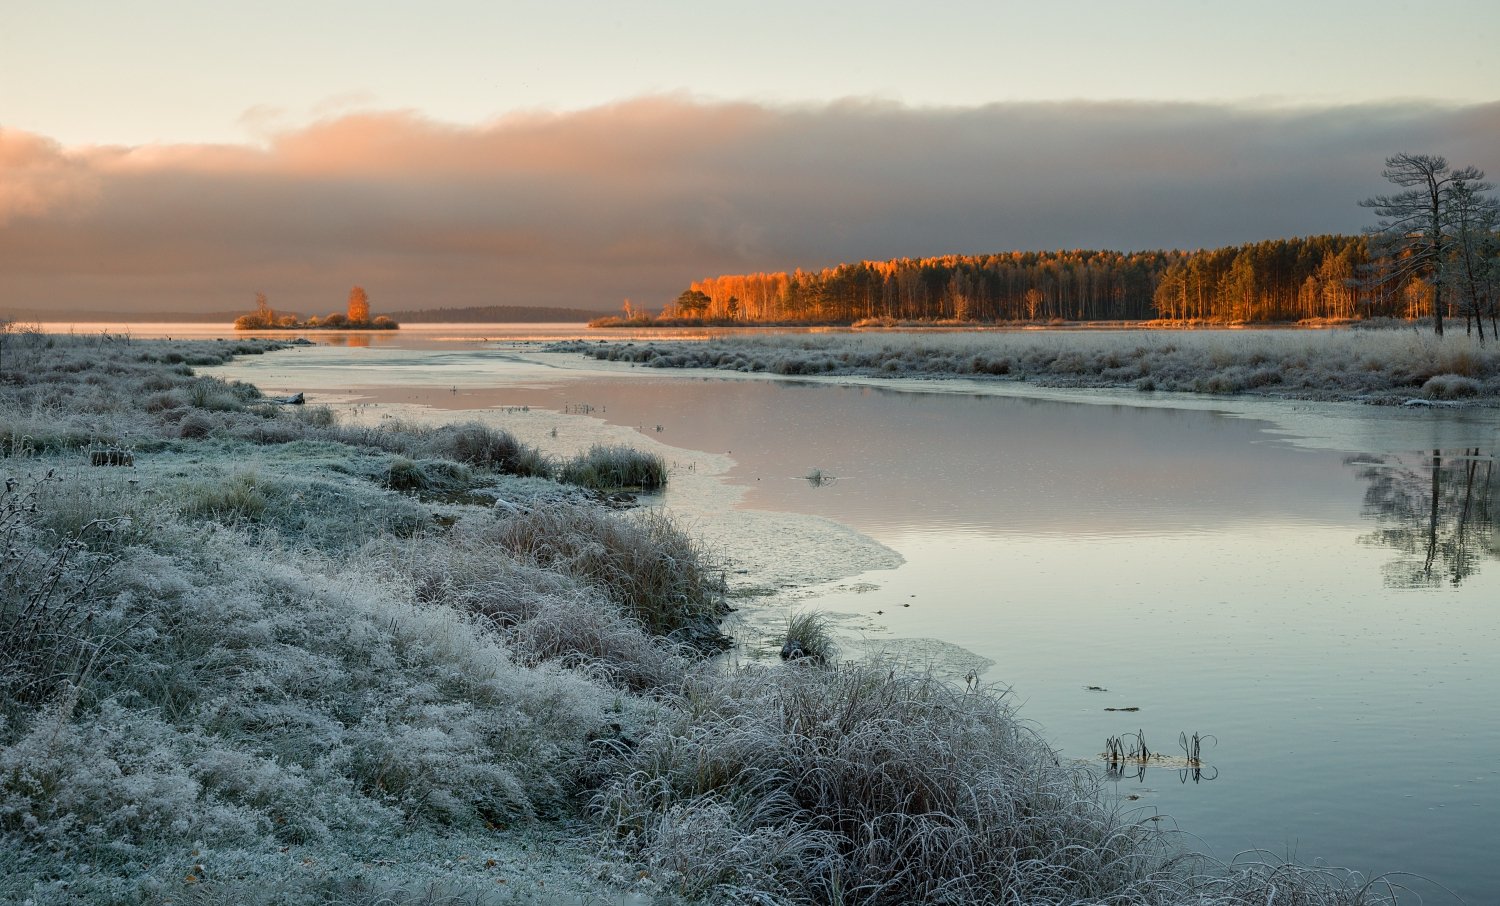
(482, 445)
(239, 497)
(304, 508)
(644, 562)
(861, 786)
(51, 585)
(1450, 387)
(546, 613)
(605, 467)
(196, 426)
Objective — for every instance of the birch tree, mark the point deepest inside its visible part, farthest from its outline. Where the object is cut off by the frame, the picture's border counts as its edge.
(359, 306)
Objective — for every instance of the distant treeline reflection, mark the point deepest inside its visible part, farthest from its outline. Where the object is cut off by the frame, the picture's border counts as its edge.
(1437, 513)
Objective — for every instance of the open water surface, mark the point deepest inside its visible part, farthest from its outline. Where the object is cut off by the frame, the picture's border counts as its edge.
(1321, 605)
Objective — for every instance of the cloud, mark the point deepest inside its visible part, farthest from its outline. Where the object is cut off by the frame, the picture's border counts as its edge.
(638, 198)
(37, 177)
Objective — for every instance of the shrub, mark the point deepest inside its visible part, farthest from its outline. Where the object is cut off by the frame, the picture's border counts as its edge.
(545, 613)
(808, 639)
(613, 468)
(1450, 387)
(214, 396)
(50, 583)
(238, 498)
(195, 426)
(427, 476)
(480, 445)
(160, 402)
(863, 786)
(316, 416)
(643, 562)
(405, 475)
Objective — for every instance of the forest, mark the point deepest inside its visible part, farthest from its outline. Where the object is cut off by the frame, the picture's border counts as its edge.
(1317, 277)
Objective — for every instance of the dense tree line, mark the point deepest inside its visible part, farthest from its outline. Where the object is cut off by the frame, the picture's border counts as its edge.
(1278, 280)
(1076, 285)
(1275, 280)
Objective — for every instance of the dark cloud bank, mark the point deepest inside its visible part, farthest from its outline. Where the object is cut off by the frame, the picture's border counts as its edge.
(637, 199)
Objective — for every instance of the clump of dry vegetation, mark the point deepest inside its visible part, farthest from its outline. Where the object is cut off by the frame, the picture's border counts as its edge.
(644, 562)
(809, 638)
(1375, 366)
(615, 468)
(864, 785)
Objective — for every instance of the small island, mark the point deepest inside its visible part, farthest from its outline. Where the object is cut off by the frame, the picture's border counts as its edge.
(356, 318)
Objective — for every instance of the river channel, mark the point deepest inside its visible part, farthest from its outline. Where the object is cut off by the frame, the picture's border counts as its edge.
(1311, 588)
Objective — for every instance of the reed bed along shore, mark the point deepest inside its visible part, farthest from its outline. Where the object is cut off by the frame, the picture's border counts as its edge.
(1376, 366)
(250, 654)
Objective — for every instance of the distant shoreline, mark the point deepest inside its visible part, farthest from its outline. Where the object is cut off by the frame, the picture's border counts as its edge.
(1376, 367)
(493, 314)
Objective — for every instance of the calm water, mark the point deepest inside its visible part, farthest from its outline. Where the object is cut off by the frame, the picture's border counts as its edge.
(1326, 611)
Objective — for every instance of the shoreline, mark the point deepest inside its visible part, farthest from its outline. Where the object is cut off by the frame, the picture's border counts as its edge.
(767, 553)
(1369, 367)
(270, 567)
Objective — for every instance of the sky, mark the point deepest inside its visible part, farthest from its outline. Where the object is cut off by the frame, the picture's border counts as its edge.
(182, 156)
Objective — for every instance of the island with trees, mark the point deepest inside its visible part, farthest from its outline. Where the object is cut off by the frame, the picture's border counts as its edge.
(356, 317)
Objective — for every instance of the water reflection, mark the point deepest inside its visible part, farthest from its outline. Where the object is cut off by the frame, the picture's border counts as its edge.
(1127, 758)
(1436, 510)
(354, 340)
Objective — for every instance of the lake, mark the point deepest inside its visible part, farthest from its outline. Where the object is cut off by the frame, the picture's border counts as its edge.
(1314, 588)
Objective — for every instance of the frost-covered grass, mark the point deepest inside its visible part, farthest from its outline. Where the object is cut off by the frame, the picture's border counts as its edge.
(231, 694)
(249, 669)
(545, 614)
(644, 562)
(481, 445)
(1380, 366)
(279, 659)
(863, 785)
(808, 637)
(605, 467)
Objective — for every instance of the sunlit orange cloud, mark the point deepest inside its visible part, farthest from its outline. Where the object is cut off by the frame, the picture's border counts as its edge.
(37, 177)
(639, 198)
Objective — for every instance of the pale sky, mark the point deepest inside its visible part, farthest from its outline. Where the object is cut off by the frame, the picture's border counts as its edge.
(184, 155)
(192, 71)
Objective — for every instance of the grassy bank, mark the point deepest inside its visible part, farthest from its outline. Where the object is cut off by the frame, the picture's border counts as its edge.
(1382, 367)
(257, 655)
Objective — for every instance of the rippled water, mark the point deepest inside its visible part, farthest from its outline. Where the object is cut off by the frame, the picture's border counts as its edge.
(1321, 604)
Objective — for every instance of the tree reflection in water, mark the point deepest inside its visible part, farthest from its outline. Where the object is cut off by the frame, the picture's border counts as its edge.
(1436, 510)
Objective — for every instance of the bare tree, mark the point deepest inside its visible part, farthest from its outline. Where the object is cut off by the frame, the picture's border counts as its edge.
(1414, 227)
(1474, 219)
